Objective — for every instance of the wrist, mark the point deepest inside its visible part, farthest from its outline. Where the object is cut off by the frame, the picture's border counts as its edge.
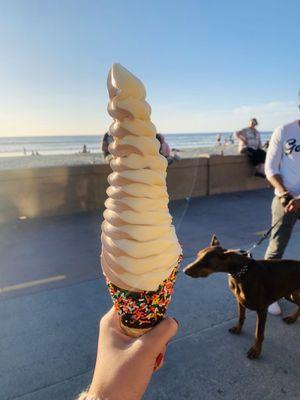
(87, 396)
(282, 193)
(95, 396)
(112, 392)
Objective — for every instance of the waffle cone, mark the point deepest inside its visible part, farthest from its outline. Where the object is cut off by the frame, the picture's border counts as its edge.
(133, 332)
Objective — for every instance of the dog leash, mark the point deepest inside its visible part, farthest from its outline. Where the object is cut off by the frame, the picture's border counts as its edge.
(187, 200)
(245, 268)
(264, 237)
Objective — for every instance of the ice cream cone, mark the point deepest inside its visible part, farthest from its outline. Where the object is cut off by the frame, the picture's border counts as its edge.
(140, 250)
(141, 311)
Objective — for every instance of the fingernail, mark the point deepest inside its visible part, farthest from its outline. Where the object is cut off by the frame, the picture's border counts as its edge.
(158, 361)
(176, 321)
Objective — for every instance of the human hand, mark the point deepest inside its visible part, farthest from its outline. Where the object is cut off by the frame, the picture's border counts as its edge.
(285, 198)
(293, 206)
(241, 137)
(124, 365)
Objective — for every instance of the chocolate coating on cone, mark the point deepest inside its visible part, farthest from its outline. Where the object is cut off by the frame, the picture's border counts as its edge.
(143, 310)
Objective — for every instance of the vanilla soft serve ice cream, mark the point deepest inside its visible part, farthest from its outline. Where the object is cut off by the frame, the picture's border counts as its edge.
(139, 244)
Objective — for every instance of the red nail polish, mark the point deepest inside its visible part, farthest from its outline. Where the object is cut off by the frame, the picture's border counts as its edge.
(158, 361)
(176, 321)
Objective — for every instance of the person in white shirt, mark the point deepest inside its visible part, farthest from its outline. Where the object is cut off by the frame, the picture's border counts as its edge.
(283, 172)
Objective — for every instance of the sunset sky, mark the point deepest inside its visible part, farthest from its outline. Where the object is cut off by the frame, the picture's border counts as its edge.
(207, 66)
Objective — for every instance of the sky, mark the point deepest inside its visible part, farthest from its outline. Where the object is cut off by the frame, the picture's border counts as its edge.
(208, 66)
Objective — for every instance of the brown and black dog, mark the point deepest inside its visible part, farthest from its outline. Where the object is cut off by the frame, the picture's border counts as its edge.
(255, 283)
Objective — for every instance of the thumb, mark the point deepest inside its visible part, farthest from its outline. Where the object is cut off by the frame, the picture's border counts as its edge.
(161, 334)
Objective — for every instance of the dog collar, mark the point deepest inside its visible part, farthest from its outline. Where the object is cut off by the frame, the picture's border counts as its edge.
(241, 272)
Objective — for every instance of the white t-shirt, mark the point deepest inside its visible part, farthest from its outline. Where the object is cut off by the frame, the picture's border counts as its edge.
(252, 137)
(283, 156)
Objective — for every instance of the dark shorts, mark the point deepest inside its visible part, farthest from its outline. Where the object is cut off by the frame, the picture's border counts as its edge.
(256, 156)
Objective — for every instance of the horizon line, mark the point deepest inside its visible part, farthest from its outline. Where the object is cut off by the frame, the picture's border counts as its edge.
(101, 134)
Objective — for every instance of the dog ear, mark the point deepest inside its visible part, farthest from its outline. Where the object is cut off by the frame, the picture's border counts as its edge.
(214, 241)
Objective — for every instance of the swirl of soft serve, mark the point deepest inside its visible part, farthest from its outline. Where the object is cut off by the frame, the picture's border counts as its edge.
(139, 244)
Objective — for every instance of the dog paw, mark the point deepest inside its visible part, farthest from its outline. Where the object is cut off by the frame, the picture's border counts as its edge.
(253, 353)
(235, 330)
(289, 320)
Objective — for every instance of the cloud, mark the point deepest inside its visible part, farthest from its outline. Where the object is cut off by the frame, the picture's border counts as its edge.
(269, 115)
(277, 107)
(169, 117)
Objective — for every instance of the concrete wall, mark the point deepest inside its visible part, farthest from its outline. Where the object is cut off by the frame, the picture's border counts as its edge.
(64, 190)
(232, 174)
(52, 191)
(188, 178)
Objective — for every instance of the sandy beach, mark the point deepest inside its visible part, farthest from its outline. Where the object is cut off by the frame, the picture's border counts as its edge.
(58, 160)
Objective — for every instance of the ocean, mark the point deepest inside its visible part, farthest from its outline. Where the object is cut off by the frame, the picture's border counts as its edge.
(19, 146)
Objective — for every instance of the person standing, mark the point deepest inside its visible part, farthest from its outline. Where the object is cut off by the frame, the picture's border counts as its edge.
(283, 172)
(250, 144)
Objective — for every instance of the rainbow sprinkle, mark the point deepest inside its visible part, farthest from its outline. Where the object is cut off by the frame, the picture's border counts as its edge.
(143, 309)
